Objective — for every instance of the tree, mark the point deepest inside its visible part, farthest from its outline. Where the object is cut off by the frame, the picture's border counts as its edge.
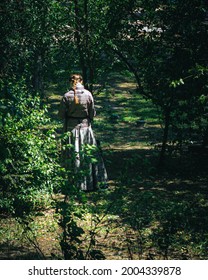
(163, 43)
(88, 23)
(28, 30)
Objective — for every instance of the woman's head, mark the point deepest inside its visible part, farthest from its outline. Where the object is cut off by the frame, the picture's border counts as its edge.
(75, 78)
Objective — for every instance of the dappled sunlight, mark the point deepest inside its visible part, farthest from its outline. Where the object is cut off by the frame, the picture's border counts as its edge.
(146, 212)
(139, 188)
(154, 219)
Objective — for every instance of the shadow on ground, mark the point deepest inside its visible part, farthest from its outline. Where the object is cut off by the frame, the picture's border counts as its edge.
(12, 252)
(149, 213)
(161, 214)
(146, 213)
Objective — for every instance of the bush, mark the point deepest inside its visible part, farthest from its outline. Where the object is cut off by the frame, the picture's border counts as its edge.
(31, 169)
(28, 152)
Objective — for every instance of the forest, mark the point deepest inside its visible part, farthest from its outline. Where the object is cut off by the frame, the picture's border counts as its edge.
(145, 62)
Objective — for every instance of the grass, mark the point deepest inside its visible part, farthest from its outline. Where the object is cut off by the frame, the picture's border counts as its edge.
(146, 213)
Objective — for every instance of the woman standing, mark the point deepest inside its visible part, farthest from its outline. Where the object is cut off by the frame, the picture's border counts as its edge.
(77, 110)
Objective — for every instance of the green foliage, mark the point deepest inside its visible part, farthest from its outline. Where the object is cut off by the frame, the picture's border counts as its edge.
(163, 45)
(70, 239)
(31, 170)
(32, 34)
(73, 208)
(28, 153)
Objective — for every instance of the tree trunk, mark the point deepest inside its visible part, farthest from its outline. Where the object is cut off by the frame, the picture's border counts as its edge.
(79, 40)
(165, 136)
(91, 79)
(205, 138)
(38, 74)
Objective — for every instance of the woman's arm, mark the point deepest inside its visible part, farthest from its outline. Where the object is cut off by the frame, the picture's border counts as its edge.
(91, 108)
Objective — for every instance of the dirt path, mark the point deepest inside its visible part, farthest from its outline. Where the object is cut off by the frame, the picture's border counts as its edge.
(145, 213)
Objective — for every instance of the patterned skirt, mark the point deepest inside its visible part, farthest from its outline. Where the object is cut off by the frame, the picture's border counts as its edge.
(86, 156)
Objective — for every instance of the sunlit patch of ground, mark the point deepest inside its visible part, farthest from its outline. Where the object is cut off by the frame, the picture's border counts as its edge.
(144, 214)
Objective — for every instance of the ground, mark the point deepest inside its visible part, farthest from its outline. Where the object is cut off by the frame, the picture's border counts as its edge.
(146, 213)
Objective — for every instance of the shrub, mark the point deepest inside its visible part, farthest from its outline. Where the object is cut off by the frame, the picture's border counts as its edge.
(28, 152)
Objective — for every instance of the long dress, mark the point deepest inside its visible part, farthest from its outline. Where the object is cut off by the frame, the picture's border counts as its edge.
(87, 160)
